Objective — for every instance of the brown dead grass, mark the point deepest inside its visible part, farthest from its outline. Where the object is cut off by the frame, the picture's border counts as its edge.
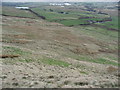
(112, 69)
(62, 35)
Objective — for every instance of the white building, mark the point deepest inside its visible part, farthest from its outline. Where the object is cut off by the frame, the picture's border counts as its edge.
(67, 4)
(55, 4)
(59, 4)
(22, 7)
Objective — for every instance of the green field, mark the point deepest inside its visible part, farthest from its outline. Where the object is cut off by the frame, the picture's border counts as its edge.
(66, 16)
(71, 18)
(111, 24)
(12, 11)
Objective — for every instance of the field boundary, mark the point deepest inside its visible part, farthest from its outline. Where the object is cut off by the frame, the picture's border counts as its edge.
(16, 16)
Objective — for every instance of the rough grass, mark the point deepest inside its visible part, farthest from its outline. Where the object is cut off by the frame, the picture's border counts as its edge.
(103, 61)
(48, 61)
(17, 60)
(98, 33)
(111, 24)
(51, 61)
(98, 60)
(13, 51)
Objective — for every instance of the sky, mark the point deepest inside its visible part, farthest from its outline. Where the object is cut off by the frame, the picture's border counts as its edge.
(59, 0)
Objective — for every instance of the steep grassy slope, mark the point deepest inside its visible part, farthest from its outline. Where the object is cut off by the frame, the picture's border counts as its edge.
(46, 54)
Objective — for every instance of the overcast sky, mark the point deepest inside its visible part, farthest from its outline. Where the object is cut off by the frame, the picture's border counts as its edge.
(59, 0)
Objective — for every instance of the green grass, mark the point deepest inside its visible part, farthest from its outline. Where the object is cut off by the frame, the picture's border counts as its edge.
(73, 22)
(95, 60)
(77, 21)
(26, 60)
(51, 61)
(72, 17)
(67, 19)
(103, 61)
(16, 60)
(48, 61)
(12, 11)
(83, 72)
(111, 24)
(103, 31)
(17, 51)
(52, 15)
(101, 34)
(14, 50)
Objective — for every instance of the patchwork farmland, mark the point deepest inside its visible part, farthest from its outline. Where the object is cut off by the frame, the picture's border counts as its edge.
(54, 46)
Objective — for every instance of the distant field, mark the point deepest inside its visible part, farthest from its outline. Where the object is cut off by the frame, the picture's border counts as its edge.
(68, 17)
(12, 11)
(111, 24)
